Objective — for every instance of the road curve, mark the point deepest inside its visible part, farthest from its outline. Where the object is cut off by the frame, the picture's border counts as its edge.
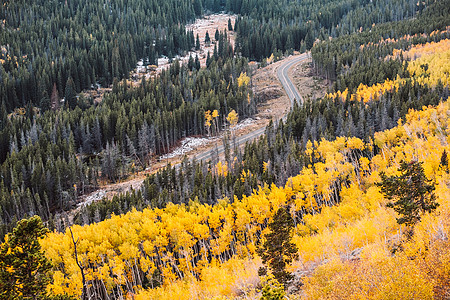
(291, 91)
(288, 86)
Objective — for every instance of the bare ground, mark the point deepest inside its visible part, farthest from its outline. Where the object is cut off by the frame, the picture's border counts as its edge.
(308, 84)
(208, 24)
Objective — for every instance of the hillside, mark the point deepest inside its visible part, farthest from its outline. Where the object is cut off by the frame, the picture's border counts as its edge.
(333, 200)
(217, 243)
(344, 196)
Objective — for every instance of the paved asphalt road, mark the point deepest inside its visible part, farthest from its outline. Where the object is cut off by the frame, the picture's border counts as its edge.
(290, 89)
(288, 86)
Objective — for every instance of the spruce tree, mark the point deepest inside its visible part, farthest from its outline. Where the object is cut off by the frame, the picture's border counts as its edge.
(277, 250)
(207, 38)
(24, 270)
(197, 62)
(217, 35)
(197, 43)
(230, 27)
(411, 191)
(444, 161)
(191, 62)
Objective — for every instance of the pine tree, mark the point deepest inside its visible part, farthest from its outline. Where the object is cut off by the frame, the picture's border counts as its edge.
(54, 99)
(191, 63)
(411, 191)
(278, 251)
(217, 35)
(197, 43)
(24, 270)
(70, 94)
(207, 38)
(230, 27)
(444, 161)
(273, 290)
(208, 59)
(197, 62)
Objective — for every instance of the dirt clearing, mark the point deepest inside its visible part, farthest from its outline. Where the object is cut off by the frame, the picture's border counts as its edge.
(309, 86)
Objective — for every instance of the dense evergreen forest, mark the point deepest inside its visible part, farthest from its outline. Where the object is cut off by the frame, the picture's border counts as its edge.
(56, 156)
(73, 45)
(267, 26)
(47, 43)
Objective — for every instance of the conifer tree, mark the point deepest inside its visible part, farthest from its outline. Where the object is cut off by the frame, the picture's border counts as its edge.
(207, 38)
(411, 191)
(278, 251)
(217, 35)
(197, 62)
(444, 161)
(24, 270)
(197, 43)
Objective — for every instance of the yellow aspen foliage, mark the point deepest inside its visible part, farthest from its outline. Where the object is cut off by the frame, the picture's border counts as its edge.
(232, 118)
(243, 79)
(430, 64)
(378, 275)
(208, 118)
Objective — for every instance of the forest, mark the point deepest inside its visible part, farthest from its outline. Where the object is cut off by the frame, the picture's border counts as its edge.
(94, 142)
(57, 156)
(199, 230)
(192, 241)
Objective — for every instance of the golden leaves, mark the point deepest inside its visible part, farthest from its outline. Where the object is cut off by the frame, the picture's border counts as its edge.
(243, 79)
(233, 118)
(429, 65)
(331, 230)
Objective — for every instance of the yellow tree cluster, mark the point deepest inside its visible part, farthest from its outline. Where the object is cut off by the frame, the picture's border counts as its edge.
(243, 79)
(202, 251)
(406, 37)
(361, 221)
(211, 117)
(233, 118)
(369, 93)
(180, 241)
(430, 64)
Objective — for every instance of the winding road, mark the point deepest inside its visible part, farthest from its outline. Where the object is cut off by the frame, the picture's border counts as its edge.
(288, 86)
